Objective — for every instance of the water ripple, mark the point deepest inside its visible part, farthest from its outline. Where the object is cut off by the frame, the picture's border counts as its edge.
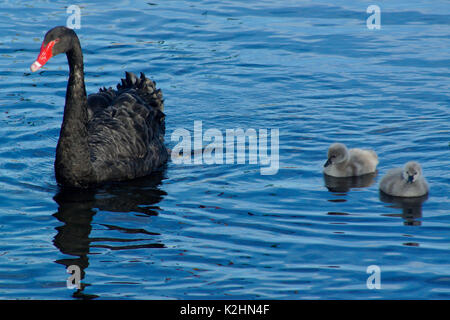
(313, 71)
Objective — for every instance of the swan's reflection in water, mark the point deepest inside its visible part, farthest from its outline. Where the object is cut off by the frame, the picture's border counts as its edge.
(411, 208)
(345, 184)
(340, 187)
(78, 207)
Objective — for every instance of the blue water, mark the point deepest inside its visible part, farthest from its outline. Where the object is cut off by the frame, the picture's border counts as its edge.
(312, 70)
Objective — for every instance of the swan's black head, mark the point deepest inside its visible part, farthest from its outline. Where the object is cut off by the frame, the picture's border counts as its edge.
(56, 41)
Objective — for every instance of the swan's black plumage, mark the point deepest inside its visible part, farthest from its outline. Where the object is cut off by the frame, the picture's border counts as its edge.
(111, 135)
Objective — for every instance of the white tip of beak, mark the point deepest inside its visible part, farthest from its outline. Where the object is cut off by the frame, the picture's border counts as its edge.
(35, 66)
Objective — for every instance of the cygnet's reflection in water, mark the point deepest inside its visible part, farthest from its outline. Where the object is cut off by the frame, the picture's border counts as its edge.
(411, 207)
(78, 207)
(345, 184)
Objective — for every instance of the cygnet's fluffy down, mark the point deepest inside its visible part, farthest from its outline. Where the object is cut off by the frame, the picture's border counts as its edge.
(405, 182)
(343, 162)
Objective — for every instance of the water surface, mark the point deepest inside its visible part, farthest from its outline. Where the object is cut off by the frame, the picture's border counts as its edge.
(311, 69)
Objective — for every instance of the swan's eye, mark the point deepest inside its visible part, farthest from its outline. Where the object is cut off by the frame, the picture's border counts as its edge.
(56, 40)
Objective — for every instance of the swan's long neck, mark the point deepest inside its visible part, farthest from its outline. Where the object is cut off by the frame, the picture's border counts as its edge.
(75, 109)
(73, 164)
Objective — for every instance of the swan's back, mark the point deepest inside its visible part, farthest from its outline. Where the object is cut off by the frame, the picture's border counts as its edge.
(126, 129)
(360, 162)
(364, 161)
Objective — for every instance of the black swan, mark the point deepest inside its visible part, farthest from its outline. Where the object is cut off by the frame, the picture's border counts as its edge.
(112, 135)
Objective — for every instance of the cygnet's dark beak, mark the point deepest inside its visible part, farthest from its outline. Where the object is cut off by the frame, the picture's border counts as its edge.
(410, 179)
(327, 163)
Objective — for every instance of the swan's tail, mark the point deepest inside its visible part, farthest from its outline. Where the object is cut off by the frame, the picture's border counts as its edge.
(145, 88)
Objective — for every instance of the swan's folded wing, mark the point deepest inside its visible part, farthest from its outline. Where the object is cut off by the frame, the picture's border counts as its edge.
(127, 139)
(143, 89)
(99, 101)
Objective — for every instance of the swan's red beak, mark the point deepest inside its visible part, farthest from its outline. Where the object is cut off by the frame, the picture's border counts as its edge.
(45, 54)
